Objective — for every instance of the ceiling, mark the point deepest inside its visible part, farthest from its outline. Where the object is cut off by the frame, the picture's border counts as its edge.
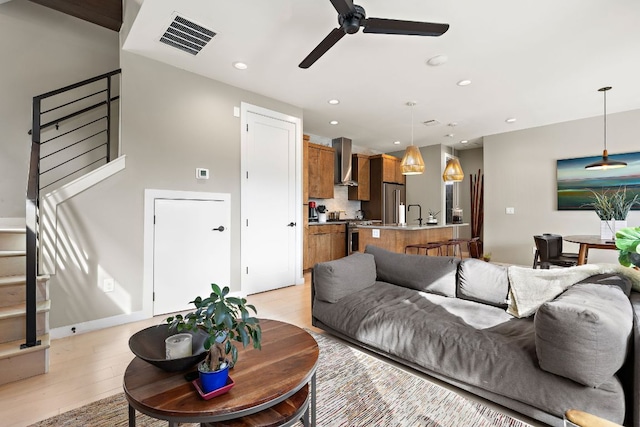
(106, 13)
(538, 62)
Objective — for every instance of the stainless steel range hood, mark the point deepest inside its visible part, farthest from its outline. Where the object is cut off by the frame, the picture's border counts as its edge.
(342, 169)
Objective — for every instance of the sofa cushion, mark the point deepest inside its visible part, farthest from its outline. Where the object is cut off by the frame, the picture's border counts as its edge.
(423, 273)
(336, 279)
(584, 333)
(483, 282)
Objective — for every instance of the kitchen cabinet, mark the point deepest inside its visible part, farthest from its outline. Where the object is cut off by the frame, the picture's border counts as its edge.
(390, 166)
(325, 243)
(361, 171)
(320, 166)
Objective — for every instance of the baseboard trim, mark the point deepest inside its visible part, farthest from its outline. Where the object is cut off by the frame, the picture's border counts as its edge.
(94, 325)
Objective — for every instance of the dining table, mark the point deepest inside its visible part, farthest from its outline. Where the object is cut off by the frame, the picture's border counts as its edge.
(589, 241)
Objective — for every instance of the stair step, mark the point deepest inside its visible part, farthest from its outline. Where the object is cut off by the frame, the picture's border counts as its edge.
(12, 230)
(12, 321)
(13, 290)
(9, 254)
(17, 364)
(19, 309)
(12, 263)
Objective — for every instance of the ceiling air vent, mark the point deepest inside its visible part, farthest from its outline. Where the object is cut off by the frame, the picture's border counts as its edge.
(432, 122)
(186, 35)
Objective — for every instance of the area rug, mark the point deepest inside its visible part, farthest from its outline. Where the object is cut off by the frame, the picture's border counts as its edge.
(354, 389)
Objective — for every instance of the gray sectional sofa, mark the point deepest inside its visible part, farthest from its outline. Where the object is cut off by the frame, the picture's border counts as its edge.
(448, 318)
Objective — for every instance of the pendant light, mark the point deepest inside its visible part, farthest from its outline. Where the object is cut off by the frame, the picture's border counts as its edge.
(605, 163)
(412, 163)
(453, 170)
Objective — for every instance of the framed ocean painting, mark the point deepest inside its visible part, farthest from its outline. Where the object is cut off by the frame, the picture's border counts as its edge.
(575, 182)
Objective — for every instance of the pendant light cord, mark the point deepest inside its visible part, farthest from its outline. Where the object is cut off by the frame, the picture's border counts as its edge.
(605, 120)
(412, 122)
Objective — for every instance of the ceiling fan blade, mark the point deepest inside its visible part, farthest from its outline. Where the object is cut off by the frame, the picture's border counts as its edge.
(344, 7)
(410, 28)
(326, 44)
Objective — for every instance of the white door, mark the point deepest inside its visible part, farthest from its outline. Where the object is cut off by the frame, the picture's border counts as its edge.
(269, 215)
(192, 247)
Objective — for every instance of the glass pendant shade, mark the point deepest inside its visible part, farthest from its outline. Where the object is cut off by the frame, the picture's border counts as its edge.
(453, 171)
(605, 163)
(412, 163)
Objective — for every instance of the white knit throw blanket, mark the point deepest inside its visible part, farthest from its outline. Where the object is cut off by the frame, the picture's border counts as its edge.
(530, 288)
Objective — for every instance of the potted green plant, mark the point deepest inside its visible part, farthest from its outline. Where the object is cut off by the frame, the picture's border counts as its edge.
(628, 244)
(227, 320)
(612, 207)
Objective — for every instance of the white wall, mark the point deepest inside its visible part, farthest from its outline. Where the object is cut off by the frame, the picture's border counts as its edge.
(172, 122)
(41, 50)
(520, 172)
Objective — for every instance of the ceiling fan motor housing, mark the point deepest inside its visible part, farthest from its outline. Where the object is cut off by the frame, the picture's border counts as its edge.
(352, 22)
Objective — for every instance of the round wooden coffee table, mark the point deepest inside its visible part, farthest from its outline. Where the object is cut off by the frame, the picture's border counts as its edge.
(271, 385)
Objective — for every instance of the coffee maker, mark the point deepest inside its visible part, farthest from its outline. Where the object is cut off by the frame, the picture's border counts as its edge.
(313, 212)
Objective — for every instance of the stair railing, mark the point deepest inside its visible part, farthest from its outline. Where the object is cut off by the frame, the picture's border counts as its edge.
(67, 155)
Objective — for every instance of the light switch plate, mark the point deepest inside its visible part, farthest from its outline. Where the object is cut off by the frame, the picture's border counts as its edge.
(510, 211)
(375, 233)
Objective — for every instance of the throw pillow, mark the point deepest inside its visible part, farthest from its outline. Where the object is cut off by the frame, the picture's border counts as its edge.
(483, 282)
(434, 274)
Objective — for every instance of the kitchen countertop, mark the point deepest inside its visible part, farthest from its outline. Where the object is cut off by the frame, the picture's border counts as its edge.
(411, 227)
(343, 221)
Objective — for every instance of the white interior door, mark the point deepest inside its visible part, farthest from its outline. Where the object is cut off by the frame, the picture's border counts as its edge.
(271, 223)
(192, 248)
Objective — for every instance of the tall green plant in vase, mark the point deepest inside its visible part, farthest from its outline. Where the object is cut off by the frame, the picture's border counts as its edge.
(612, 207)
(226, 320)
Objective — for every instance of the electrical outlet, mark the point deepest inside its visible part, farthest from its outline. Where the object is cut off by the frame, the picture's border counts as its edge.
(108, 285)
(375, 233)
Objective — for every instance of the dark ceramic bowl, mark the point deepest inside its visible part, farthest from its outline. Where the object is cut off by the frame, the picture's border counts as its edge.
(148, 344)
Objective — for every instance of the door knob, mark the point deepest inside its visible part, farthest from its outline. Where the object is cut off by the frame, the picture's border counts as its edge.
(221, 228)
(291, 224)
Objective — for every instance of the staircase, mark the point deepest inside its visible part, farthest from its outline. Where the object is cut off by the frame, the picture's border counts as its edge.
(70, 142)
(17, 363)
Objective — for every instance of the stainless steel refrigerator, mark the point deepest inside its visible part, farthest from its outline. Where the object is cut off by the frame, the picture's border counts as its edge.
(392, 196)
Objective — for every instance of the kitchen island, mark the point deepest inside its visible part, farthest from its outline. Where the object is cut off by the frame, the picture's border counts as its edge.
(396, 237)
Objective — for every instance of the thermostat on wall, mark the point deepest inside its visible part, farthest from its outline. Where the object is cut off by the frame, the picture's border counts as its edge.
(202, 173)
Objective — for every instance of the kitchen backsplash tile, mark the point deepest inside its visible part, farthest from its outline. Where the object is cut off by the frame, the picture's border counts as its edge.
(340, 202)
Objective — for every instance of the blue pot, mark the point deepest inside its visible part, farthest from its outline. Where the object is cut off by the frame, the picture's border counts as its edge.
(214, 380)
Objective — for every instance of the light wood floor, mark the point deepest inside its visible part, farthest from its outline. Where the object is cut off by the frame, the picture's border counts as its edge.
(88, 367)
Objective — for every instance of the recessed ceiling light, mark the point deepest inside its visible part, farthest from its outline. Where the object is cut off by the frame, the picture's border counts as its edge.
(511, 120)
(449, 135)
(334, 101)
(464, 83)
(240, 65)
(437, 60)
(396, 142)
(334, 122)
(464, 141)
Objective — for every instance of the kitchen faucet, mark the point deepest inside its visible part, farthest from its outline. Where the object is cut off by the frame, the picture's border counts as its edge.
(419, 213)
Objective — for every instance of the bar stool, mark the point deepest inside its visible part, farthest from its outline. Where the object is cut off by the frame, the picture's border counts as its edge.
(455, 247)
(426, 246)
(460, 241)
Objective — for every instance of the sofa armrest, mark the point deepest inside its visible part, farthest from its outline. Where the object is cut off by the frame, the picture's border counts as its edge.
(336, 279)
(635, 304)
(584, 419)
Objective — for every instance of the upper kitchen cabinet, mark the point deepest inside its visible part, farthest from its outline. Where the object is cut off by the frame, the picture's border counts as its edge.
(390, 168)
(320, 169)
(360, 168)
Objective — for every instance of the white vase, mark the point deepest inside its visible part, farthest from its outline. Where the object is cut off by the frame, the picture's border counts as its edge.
(618, 226)
(607, 229)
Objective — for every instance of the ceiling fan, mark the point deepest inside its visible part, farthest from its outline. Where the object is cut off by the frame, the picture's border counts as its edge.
(351, 17)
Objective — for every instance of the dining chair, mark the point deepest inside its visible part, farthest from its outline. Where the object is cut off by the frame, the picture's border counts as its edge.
(549, 252)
